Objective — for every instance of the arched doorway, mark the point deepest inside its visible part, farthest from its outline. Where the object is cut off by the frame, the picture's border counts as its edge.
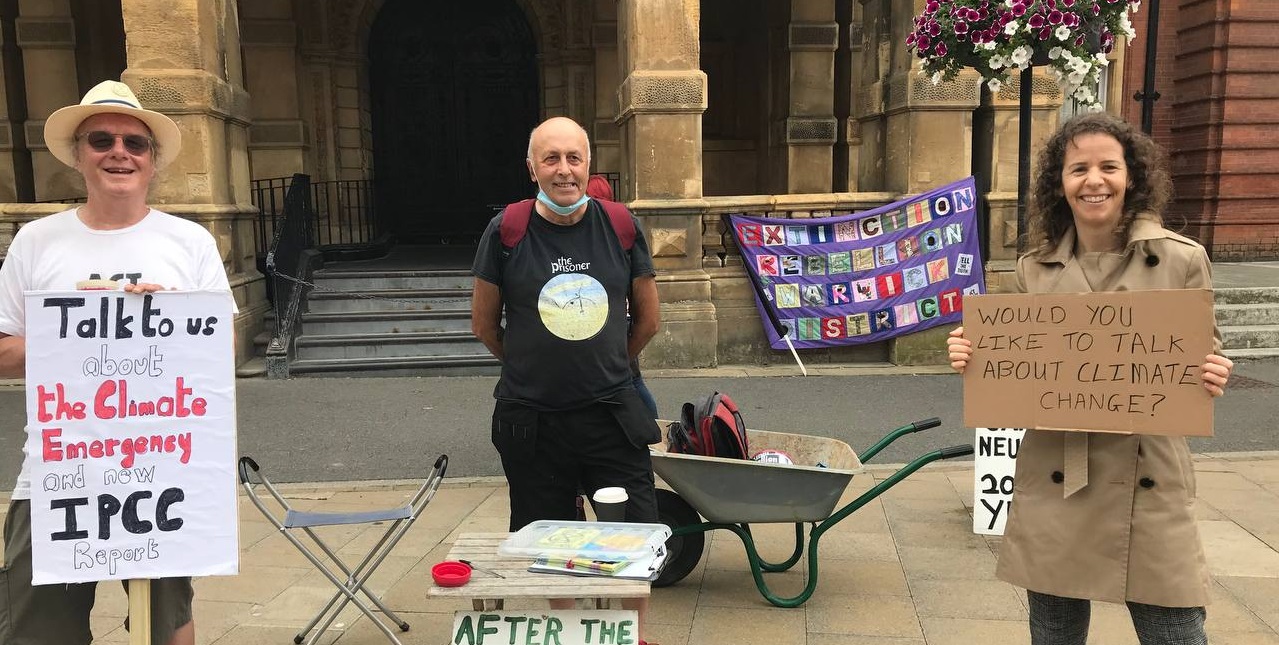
(454, 92)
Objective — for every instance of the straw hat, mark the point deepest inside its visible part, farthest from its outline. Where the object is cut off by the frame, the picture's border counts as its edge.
(109, 97)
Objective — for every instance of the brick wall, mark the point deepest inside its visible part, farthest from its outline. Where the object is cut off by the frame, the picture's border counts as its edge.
(1218, 72)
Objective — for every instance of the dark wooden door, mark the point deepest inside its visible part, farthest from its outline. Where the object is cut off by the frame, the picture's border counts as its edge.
(454, 96)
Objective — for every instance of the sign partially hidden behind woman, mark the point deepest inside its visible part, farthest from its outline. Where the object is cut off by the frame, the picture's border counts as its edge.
(1125, 361)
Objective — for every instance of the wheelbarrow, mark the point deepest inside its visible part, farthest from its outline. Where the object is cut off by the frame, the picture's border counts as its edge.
(732, 494)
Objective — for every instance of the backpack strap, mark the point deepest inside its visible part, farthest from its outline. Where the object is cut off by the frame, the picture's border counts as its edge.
(515, 217)
(623, 225)
(514, 222)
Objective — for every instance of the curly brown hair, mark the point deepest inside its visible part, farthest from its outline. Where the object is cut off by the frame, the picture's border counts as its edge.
(1149, 185)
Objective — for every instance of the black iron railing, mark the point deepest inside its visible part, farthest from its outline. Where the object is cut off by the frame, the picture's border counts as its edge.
(344, 212)
(268, 196)
(293, 236)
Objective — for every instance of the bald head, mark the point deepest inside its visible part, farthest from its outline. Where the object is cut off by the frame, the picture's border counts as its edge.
(558, 125)
(559, 159)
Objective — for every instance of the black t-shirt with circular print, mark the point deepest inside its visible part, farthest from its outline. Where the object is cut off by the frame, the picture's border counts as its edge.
(564, 290)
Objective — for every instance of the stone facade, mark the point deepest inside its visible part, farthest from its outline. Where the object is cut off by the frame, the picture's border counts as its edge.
(699, 107)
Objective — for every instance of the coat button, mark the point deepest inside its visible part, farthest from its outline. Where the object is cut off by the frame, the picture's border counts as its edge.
(1146, 482)
(1058, 477)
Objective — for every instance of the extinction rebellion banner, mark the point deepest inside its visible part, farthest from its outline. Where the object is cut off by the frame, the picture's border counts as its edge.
(869, 276)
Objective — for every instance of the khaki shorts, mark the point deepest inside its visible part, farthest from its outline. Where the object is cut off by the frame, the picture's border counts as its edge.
(59, 614)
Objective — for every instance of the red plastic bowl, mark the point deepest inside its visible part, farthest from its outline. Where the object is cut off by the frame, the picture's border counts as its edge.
(451, 573)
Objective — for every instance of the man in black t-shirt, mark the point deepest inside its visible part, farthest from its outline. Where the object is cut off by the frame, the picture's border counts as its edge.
(567, 417)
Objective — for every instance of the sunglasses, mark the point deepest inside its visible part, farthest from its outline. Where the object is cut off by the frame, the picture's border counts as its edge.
(135, 144)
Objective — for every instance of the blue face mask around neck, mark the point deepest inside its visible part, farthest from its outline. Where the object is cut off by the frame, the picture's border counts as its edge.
(562, 211)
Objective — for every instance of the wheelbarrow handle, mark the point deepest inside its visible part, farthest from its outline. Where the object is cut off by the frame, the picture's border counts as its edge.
(925, 424)
(962, 450)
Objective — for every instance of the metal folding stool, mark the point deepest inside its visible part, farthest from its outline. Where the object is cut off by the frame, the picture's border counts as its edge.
(400, 518)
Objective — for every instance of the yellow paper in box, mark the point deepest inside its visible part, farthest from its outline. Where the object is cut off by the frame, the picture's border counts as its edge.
(568, 538)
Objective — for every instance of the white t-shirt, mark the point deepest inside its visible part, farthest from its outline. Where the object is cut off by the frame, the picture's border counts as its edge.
(56, 252)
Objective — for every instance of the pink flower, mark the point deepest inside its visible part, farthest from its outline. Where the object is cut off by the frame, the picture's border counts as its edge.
(1054, 17)
(1096, 10)
(973, 14)
(1045, 33)
(932, 6)
(1036, 21)
(934, 28)
(924, 43)
(910, 39)
(1067, 3)
(1019, 9)
(1072, 20)
(941, 49)
(961, 28)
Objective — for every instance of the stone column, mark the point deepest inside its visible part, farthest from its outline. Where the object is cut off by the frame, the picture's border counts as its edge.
(1046, 99)
(15, 159)
(184, 60)
(277, 138)
(46, 34)
(606, 156)
(929, 142)
(661, 100)
(812, 37)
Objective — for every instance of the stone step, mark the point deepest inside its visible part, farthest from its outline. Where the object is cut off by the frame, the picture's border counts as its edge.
(386, 322)
(399, 366)
(1250, 336)
(1251, 354)
(349, 346)
(1246, 295)
(1248, 314)
(354, 280)
(388, 300)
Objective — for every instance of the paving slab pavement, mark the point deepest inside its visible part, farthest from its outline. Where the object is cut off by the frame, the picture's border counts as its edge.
(903, 570)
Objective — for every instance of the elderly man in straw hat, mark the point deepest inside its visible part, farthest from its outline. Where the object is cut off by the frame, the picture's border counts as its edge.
(118, 147)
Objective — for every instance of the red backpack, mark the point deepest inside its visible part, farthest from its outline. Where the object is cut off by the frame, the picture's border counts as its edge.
(515, 218)
(711, 427)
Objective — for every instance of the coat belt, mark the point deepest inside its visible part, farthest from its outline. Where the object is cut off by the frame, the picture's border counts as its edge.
(1076, 462)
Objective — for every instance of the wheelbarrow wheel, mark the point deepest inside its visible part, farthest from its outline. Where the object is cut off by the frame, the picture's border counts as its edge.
(683, 551)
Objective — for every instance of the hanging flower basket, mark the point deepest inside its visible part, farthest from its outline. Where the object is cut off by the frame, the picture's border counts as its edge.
(998, 37)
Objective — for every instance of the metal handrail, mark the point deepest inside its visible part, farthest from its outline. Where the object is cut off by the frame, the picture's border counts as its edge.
(294, 234)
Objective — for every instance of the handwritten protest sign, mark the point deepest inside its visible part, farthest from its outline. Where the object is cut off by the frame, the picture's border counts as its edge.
(994, 467)
(1125, 361)
(614, 627)
(131, 415)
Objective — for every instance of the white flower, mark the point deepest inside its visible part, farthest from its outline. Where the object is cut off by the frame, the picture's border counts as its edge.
(1055, 53)
(1021, 56)
(997, 62)
(994, 85)
(1062, 32)
(1102, 60)
(936, 78)
(1075, 78)
(1125, 26)
(1010, 28)
(1055, 74)
(988, 45)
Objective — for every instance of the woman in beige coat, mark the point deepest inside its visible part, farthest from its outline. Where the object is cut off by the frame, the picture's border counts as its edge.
(1103, 516)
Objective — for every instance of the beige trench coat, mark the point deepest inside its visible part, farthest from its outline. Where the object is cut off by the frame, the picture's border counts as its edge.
(1129, 534)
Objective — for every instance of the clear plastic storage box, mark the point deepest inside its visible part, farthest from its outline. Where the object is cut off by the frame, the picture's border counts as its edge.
(600, 540)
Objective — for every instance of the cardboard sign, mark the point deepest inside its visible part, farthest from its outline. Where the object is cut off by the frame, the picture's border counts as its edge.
(612, 627)
(994, 467)
(131, 419)
(1125, 361)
